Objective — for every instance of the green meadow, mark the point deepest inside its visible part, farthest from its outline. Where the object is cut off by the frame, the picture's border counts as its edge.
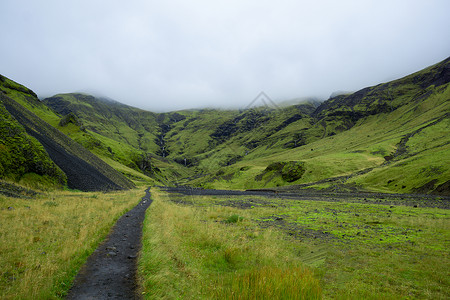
(224, 247)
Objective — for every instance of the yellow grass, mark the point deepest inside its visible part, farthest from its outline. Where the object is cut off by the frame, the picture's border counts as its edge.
(270, 283)
(44, 241)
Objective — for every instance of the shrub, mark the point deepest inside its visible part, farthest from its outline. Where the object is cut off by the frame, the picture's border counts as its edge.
(233, 219)
(70, 118)
(292, 171)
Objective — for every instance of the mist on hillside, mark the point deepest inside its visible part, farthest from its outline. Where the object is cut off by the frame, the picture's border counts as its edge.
(172, 55)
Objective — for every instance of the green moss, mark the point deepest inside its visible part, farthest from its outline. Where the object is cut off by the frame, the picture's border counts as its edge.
(292, 171)
(21, 154)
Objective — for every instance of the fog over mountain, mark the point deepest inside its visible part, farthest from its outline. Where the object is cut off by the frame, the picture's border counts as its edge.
(168, 55)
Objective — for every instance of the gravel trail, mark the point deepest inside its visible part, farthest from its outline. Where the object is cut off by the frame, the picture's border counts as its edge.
(110, 272)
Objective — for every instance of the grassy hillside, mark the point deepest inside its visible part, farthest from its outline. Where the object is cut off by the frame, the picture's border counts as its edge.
(121, 155)
(212, 139)
(392, 137)
(128, 138)
(83, 169)
(192, 142)
(22, 157)
(120, 122)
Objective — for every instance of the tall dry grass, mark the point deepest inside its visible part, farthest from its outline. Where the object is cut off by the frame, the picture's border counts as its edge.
(269, 283)
(44, 241)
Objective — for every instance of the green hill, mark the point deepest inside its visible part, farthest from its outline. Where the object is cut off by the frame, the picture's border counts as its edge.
(127, 137)
(31, 135)
(392, 137)
(183, 144)
(22, 155)
(123, 123)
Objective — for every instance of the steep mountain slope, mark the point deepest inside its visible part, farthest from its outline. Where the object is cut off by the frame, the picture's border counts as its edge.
(128, 138)
(186, 137)
(112, 119)
(212, 139)
(346, 110)
(391, 137)
(21, 155)
(84, 170)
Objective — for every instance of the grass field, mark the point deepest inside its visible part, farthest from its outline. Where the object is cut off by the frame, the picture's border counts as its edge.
(208, 252)
(44, 241)
(269, 248)
(231, 247)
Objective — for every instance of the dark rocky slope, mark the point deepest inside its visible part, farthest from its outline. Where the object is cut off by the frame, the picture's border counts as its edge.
(84, 170)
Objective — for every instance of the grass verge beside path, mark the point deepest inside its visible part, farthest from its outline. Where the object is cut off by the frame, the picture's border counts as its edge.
(44, 241)
(214, 253)
(253, 247)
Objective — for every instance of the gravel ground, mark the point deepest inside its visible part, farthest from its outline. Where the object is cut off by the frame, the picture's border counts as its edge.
(80, 174)
(415, 200)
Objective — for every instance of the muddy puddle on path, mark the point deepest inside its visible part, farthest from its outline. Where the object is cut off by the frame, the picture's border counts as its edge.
(110, 272)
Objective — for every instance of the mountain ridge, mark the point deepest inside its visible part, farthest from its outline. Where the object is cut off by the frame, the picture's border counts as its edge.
(213, 141)
(383, 138)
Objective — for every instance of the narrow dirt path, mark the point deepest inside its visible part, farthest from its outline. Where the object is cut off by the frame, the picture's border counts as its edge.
(110, 272)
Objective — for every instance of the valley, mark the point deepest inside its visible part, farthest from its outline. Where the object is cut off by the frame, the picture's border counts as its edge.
(345, 198)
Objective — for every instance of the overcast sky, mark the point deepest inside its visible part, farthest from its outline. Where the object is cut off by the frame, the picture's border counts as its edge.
(169, 55)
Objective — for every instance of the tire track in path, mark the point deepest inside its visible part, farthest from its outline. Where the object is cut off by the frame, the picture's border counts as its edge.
(111, 271)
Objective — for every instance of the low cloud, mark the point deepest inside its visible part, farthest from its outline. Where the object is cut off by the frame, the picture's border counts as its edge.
(176, 54)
